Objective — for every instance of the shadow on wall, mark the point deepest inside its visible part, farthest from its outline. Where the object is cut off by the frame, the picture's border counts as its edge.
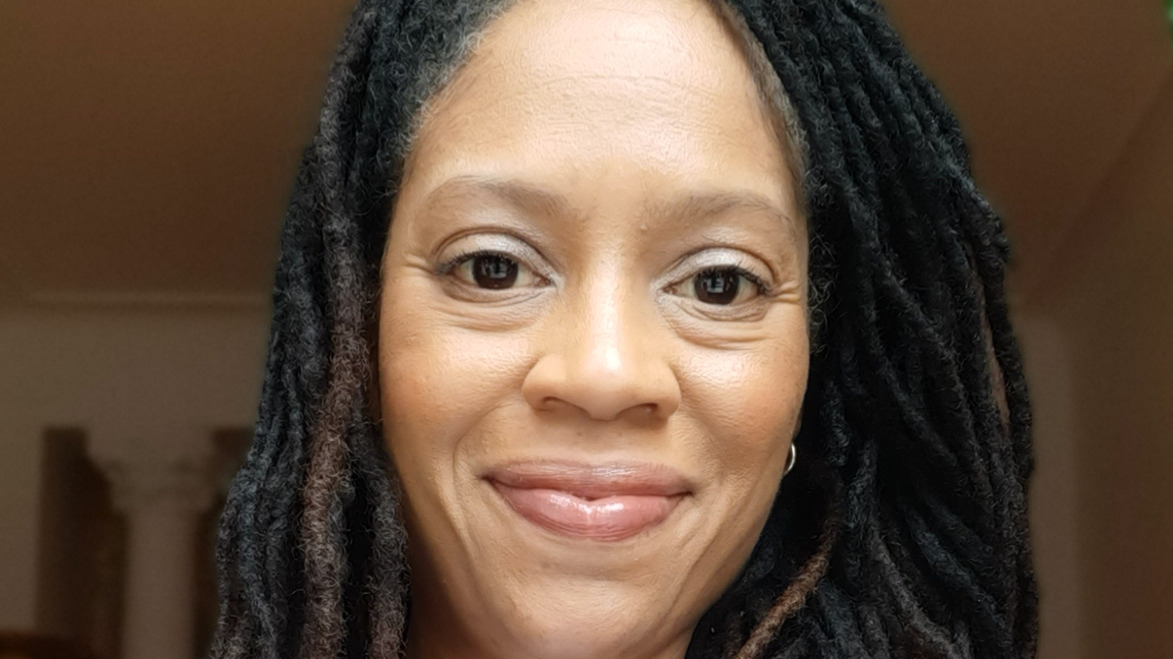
(16, 645)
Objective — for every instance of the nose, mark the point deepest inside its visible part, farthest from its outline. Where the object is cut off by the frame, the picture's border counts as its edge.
(605, 355)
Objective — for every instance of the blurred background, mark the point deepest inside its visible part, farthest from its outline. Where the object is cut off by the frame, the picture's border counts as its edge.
(147, 150)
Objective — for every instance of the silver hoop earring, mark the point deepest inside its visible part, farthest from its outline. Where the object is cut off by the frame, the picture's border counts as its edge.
(790, 460)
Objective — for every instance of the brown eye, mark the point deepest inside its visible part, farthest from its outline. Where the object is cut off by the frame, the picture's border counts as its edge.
(717, 285)
(493, 271)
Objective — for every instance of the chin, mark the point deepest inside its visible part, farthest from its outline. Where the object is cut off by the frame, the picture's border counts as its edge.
(587, 628)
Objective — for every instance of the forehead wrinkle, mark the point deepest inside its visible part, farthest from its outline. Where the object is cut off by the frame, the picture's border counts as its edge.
(580, 94)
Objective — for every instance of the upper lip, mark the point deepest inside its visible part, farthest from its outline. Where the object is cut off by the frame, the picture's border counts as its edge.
(593, 481)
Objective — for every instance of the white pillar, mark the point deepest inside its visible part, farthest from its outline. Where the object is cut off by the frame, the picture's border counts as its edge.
(162, 498)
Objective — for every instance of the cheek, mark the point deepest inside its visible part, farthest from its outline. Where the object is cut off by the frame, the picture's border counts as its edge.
(438, 380)
(748, 404)
(750, 401)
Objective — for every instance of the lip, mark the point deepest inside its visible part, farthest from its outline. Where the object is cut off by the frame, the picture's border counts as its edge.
(605, 503)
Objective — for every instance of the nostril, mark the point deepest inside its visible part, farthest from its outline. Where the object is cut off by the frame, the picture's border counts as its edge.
(643, 413)
(637, 386)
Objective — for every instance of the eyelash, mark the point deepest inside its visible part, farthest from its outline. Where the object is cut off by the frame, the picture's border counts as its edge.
(763, 289)
(448, 266)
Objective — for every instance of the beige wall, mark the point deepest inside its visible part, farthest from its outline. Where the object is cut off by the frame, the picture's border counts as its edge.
(1054, 507)
(1110, 296)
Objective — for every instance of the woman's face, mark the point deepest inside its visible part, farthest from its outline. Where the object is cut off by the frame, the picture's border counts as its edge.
(593, 336)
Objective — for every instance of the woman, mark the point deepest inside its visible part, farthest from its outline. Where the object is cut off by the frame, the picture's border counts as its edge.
(634, 328)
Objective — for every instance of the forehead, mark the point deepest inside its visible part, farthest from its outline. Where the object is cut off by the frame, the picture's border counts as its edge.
(560, 92)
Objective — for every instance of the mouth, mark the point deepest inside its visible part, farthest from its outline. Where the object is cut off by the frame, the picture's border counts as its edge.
(606, 503)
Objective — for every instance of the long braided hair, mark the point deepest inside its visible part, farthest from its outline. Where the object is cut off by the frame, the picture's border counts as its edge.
(902, 533)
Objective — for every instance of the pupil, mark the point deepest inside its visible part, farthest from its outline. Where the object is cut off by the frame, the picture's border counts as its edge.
(494, 271)
(717, 286)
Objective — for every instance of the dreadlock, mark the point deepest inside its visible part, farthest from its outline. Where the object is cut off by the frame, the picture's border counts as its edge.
(902, 533)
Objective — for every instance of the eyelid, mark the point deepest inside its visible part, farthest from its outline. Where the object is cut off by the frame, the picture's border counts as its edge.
(722, 258)
(456, 250)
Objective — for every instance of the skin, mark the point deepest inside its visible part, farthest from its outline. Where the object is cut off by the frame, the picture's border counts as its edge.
(613, 150)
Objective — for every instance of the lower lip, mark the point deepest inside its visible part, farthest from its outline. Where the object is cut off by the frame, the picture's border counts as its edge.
(609, 519)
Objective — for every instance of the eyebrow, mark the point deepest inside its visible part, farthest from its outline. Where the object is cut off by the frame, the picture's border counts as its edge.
(535, 200)
(697, 206)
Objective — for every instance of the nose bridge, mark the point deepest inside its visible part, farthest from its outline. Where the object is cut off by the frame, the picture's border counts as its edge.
(607, 343)
(604, 358)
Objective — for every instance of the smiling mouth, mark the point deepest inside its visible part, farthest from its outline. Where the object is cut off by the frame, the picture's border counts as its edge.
(602, 503)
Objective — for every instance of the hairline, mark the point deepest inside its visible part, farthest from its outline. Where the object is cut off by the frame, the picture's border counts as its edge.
(778, 111)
